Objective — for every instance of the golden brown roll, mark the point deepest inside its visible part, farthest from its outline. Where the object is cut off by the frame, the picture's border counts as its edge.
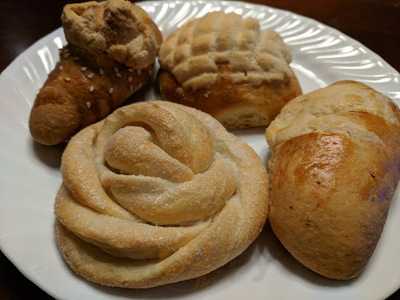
(157, 193)
(111, 53)
(334, 168)
(225, 65)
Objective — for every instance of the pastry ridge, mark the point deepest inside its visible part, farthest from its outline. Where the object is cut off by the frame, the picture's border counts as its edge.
(141, 225)
(255, 56)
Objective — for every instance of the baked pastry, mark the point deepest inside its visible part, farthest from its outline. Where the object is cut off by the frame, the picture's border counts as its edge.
(112, 47)
(225, 65)
(334, 168)
(157, 193)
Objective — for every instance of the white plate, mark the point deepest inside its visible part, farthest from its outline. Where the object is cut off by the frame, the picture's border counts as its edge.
(29, 174)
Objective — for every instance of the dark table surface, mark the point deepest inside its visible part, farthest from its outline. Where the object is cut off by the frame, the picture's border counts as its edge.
(372, 22)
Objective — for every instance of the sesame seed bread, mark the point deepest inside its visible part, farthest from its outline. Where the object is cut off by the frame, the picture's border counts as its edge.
(111, 53)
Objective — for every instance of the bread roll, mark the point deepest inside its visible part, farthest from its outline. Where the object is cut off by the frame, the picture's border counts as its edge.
(334, 168)
(111, 53)
(157, 193)
(225, 65)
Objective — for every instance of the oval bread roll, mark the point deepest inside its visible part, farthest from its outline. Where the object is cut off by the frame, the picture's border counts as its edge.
(157, 193)
(334, 169)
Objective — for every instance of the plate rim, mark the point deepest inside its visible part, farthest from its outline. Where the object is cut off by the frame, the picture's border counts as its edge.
(309, 19)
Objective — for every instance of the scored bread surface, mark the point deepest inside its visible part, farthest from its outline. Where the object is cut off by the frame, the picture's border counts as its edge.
(193, 53)
(225, 65)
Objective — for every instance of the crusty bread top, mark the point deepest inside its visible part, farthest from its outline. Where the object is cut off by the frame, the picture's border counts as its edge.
(327, 110)
(334, 169)
(194, 52)
(115, 29)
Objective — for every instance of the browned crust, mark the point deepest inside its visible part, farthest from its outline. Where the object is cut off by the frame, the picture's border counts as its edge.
(76, 95)
(235, 105)
(331, 191)
(109, 34)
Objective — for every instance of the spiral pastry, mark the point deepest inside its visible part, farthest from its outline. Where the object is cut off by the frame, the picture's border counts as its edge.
(157, 193)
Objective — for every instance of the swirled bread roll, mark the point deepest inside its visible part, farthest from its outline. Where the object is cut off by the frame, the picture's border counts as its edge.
(157, 193)
(112, 47)
(227, 66)
(334, 168)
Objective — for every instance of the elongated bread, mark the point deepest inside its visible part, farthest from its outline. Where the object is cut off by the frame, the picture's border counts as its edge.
(334, 168)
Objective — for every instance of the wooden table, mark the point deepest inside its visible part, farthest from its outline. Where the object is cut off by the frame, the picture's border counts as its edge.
(372, 22)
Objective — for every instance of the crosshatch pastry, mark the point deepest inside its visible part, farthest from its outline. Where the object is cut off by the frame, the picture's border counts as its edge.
(227, 66)
(334, 169)
(157, 193)
(112, 47)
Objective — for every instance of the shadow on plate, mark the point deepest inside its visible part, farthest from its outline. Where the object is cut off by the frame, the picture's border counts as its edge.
(280, 254)
(149, 91)
(145, 93)
(251, 135)
(49, 155)
(245, 133)
(268, 248)
(185, 288)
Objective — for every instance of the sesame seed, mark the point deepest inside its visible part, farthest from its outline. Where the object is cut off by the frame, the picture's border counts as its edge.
(91, 89)
(88, 104)
(90, 75)
(130, 70)
(61, 68)
(67, 79)
(117, 73)
(111, 90)
(130, 79)
(101, 71)
(84, 69)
